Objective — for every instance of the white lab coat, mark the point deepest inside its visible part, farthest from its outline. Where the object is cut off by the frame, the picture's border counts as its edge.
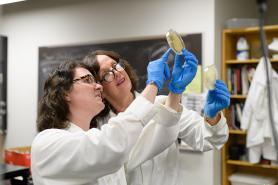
(255, 117)
(163, 168)
(75, 157)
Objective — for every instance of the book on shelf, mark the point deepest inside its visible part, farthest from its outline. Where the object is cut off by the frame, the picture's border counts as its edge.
(234, 120)
(234, 85)
(229, 80)
(244, 80)
(239, 79)
(250, 73)
(238, 112)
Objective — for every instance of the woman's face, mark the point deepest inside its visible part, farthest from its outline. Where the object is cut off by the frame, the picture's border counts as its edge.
(120, 86)
(85, 94)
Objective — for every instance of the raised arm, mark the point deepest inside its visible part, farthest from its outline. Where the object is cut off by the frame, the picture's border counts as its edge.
(200, 133)
(162, 130)
(86, 156)
(211, 131)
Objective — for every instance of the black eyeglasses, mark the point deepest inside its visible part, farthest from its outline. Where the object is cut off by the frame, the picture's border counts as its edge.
(109, 76)
(89, 79)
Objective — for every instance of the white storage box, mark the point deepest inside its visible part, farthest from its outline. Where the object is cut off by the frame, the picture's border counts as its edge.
(248, 179)
(241, 22)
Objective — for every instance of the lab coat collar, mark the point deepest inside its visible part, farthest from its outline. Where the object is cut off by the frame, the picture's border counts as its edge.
(74, 128)
(260, 76)
(136, 94)
(112, 114)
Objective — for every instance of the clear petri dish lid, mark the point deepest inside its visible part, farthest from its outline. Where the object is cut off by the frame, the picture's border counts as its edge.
(210, 76)
(175, 41)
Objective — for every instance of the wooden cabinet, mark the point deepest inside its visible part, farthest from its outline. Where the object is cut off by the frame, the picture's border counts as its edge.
(229, 61)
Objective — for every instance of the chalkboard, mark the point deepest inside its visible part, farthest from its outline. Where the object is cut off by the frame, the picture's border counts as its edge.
(3, 84)
(137, 52)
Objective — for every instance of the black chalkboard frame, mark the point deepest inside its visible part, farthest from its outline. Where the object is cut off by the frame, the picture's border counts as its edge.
(138, 51)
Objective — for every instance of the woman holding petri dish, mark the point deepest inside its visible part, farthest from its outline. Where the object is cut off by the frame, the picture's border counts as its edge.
(201, 133)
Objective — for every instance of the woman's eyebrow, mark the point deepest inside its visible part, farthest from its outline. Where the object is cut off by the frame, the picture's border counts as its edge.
(107, 70)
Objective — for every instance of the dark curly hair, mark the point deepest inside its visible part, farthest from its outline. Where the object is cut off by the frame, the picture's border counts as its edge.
(53, 108)
(91, 60)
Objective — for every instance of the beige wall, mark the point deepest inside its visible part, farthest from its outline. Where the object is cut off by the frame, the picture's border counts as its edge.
(226, 9)
(272, 15)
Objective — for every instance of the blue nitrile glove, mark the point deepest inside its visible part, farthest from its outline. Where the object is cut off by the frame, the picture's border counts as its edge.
(158, 70)
(217, 99)
(183, 74)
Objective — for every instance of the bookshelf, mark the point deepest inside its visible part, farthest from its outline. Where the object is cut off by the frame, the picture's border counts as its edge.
(229, 63)
(235, 132)
(250, 61)
(244, 163)
(238, 96)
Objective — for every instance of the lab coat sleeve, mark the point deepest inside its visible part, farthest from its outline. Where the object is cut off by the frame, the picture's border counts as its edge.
(255, 96)
(246, 113)
(159, 134)
(86, 156)
(198, 134)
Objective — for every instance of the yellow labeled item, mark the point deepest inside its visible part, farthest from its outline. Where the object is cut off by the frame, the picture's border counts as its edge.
(210, 76)
(175, 41)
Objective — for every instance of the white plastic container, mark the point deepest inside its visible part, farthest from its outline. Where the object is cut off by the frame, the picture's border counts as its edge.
(250, 179)
(242, 49)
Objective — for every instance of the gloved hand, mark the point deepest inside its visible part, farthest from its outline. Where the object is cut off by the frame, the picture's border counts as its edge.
(183, 74)
(158, 70)
(217, 99)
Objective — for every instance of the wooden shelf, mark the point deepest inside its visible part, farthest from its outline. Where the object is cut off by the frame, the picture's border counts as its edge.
(229, 41)
(250, 61)
(245, 163)
(238, 96)
(239, 132)
(272, 28)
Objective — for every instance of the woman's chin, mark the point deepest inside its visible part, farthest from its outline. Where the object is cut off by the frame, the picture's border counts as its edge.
(100, 107)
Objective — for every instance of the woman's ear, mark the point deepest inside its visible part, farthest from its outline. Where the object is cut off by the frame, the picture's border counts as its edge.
(67, 96)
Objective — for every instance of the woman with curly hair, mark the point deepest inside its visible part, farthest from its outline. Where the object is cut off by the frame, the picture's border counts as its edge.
(67, 150)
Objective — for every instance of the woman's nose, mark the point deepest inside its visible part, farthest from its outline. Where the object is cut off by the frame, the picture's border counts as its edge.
(117, 73)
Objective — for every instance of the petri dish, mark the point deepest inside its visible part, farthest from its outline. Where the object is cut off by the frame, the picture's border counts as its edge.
(210, 76)
(175, 41)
